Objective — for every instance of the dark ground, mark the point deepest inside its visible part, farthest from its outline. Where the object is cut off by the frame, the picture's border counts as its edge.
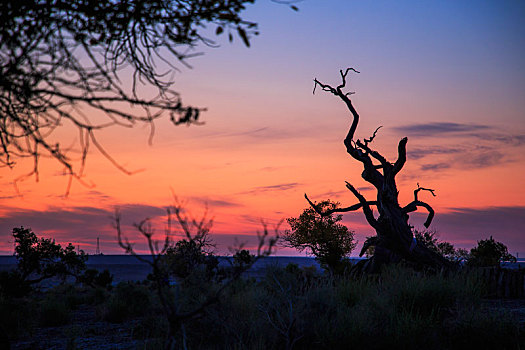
(85, 331)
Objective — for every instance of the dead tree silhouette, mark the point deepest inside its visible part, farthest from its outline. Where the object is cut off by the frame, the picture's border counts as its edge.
(394, 241)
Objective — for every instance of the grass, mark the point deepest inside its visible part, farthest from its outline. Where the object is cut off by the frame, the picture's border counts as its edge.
(296, 309)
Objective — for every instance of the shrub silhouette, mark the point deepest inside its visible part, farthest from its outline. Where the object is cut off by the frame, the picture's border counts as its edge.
(95, 278)
(188, 256)
(39, 259)
(489, 252)
(321, 235)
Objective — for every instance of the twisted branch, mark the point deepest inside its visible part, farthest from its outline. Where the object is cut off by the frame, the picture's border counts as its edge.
(337, 210)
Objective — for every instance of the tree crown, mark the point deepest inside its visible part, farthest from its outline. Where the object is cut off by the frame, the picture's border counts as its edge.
(321, 235)
(489, 252)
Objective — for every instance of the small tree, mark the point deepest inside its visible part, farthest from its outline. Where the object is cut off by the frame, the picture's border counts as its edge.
(321, 235)
(39, 259)
(489, 253)
(183, 259)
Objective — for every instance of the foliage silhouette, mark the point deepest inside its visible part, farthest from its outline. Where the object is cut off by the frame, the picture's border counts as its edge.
(39, 259)
(95, 278)
(243, 258)
(185, 257)
(96, 64)
(321, 235)
(489, 252)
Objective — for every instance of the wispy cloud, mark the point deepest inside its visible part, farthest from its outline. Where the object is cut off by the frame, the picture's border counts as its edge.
(485, 159)
(331, 194)
(141, 211)
(476, 158)
(439, 128)
(9, 197)
(468, 146)
(257, 220)
(215, 202)
(435, 166)
(421, 152)
(99, 195)
(515, 140)
(272, 188)
(257, 133)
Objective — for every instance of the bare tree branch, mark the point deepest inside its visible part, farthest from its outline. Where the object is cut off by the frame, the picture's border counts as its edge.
(369, 215)
(419, 188)
(337, 210)
(411, 207)
(63, 62)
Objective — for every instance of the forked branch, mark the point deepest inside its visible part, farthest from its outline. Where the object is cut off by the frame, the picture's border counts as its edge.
(328, 212)
(411, 207)
(419, 188)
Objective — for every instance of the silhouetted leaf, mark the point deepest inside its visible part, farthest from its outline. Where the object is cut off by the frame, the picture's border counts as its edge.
(293, 7)
(244, 37)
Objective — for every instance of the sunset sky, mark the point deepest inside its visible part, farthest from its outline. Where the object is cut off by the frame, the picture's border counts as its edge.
(450, 75)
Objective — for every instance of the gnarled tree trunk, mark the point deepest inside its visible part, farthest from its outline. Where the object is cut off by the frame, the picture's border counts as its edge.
(394, 241)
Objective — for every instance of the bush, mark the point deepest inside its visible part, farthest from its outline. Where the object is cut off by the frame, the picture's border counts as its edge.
(489, 252)
(39, 259)
(321, 235)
